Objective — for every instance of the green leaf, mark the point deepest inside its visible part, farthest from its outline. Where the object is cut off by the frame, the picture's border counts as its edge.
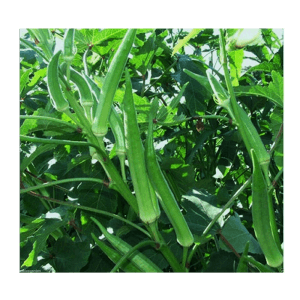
(69, 256)
(201, 209)
(46, 126)
(195, 93)
(143, 57)
(186, 39)
(237, 235)
(222, 262)
(53, 220)
(235, 63)
(37, 76)
(35, 152)
(274, 91)
(24, 79)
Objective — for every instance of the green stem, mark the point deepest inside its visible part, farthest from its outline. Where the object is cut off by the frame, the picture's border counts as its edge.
(258, 265)
(102, 212)
(173, 64)
(33, 188)
(117, 182)
(54, 141)
(130, 252)
(184, 257)
(190, 118)
(227, 205)
(273, 185)
(215, 219)
(50, 119)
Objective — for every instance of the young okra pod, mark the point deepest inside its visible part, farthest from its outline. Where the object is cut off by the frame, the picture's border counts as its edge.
(86, 97)
(166, 197)
(56, 96)
(246, 128)
(69, 46)
(116, 125)
(115, 256)
(139, 260)
(261, 216)
(110, 84)
(148, 212)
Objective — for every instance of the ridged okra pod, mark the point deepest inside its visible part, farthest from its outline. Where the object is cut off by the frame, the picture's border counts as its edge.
(110, 84)
(86, 97)
(165, 195)
(57, 98)
(139, 260)
(148, 211)
(262, 217)
(246, 128)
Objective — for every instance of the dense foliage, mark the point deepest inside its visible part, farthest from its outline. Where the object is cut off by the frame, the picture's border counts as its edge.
(199, 149)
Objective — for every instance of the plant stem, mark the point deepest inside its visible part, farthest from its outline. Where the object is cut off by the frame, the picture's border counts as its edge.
(215, 219)
(50, 119)
(184, 257)
(54, 141)
(33, 188)
(130, 252)
(102, 212)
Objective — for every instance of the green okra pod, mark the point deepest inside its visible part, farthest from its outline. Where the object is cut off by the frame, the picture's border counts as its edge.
(139, 260)
(261, 216)
(86, 97)
(69, 49)
(110, 84)
(56, 96)
(115, 256)
(246, 128)
(166, 197)
(148, 212)
(243, 266)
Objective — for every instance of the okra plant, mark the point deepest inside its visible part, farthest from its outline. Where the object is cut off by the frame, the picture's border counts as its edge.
(139, 157)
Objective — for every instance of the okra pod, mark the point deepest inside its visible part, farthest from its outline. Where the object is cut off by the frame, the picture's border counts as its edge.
(139, 260)
(148, 212)
(86, 97)
(115, 256)
(110, 84)
(166, 197)
(246, 128)
(261, 216)
(69, 46)
(56, 96)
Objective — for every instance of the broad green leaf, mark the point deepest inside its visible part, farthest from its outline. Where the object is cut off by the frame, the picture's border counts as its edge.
(237, 235)
(235, 63)
(37, 76)
(195, 93)
(143, 56)
(33, 125)
(274, 91)
(221, 262)
(24, 79)
(275, 126)
(28, 230)
(186, 39)
(69, 256)
(201, 209)
(40, 239)
(36, 151)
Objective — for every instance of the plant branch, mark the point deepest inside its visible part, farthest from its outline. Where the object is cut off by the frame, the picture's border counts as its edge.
(102, 212)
